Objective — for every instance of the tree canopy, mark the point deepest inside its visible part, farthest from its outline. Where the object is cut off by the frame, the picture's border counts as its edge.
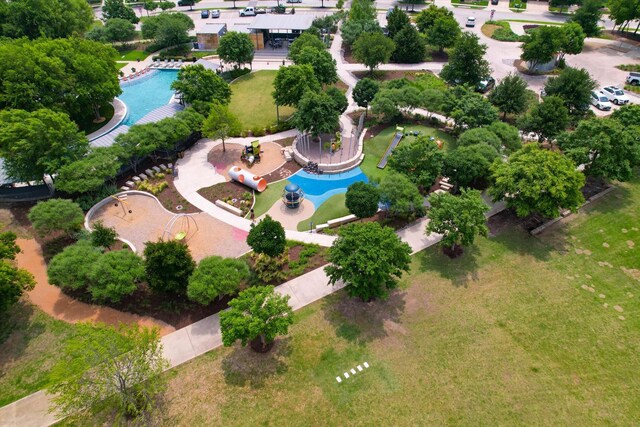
(479, 136)
(628, 115)
(323, 64)
(574, 86)
(373, 49)
(541, 45)
(421, 161)
(362, 10)
(364, 92)
(428, 16)
(71, 268)
(56, 215)
(168, 266)
(537, 181)
(90, 173)
(306, 39)
(401, 196)
(52, 19)
(466, 61)
(115, 275)
(236, 48)
(588, 16)
(510, 95)
(267, 237)
(470, 166)
(356, 259)
(409, 46)
(546, 119)
(469, 110)
(292, 82)
(352, 30)
(443, 33)
(215, 277)
(397, 20)
(317, 113)
(362, 199)
(509, 136)
(118, 9)
(197, 83)
(221, 123)
(167, 29)
(13, 281)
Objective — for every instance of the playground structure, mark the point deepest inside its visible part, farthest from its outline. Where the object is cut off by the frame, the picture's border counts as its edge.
(251, 153)
(247, 178)
(185, 232)
(292, 196)
(394, 143)
(122, 201)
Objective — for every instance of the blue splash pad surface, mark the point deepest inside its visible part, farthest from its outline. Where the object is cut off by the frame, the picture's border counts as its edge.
(318, 188)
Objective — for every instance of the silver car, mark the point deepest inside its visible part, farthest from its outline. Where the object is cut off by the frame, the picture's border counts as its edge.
(600, 101)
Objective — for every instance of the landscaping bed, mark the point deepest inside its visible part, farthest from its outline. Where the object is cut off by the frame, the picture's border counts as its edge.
(283, 172)
(230, 192)
(500, 30)
(302, 258)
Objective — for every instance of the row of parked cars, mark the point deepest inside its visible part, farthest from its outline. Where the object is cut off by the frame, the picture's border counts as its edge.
(602, 99)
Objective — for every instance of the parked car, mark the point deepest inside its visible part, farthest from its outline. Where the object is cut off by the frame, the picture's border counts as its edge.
(471, 22)
(252, 11)
(494, 2)
(633, 78)
(600, 101)
(294, 1)
(615, 95)
(486, 84)
(186, 2)
(204, 14)
(215, 13)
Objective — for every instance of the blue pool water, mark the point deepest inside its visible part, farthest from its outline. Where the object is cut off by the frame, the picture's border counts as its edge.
(318, 188)
(144, 94)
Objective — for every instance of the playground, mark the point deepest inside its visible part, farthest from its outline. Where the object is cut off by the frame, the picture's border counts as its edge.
(140, 218)
(269, 159)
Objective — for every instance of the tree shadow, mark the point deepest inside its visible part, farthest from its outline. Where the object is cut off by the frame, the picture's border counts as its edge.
(361, 322)
(16, 332)
(244, 366)
(460, 271)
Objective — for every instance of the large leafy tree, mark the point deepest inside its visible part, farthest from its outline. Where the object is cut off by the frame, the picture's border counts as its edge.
(168, 266)
(427, 17)
(362, 199)
(471, 110)
(623, 11)
(510, 95)
(115, 275)
(509, 136)
(323, 64)
(409, 46)
(466, 61)
(444, 32)
(52, 19)
(628, 115)
(167, 29)
(38, 143)
(13, 281)
(317, 113)
(197, 83)
(236, 48)
(90, 173)
(588, 16)
(306, 39)
(221, 123)
(541, 45)
(138, 142)
(107, 367)
(364, 92)
(71, 268)
(546, 119)
(470, 166)
(257, 316)
(574, 86)
(392, 103)
(539, 181)
(373, 49)
(362, 10)
(401, 196)
(421, 161)
(340, 101)
(118, 9)
(397, 20)
(479, 136)
(352, 30)
(459, 219)
(572, 39)
(356, 258)
(119, 30)
(215, 277)
(292, 82)
(267, 237)
(607, 148)
(55, 215)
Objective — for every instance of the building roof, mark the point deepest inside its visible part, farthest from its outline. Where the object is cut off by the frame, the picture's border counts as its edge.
(300, 21)
(212, 29)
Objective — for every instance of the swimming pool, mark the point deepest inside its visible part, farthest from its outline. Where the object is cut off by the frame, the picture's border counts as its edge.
(144, 94)
(318, 188)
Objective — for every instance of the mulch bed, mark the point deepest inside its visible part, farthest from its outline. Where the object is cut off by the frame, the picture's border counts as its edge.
(223, 190)
(385, 76)
(285, 142)
(313, 262)
(285, 171)
(171, 199)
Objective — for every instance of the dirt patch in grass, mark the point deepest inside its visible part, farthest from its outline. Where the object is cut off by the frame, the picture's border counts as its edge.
(489, 29)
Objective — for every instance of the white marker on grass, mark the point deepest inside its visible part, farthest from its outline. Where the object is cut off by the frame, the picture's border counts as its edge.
(339, 379)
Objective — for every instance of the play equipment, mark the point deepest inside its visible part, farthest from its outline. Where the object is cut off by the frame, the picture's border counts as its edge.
(122, 201)
(247, 178)
(251, 153)
(292, 196)
(185, 231)
(394, 143)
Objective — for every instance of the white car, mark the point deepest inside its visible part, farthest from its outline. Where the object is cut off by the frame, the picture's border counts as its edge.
(600, 101)
(471, 22)
(215, 13)
(615, 95)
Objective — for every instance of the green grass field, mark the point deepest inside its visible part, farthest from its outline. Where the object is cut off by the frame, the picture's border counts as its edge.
(252, 102)
(374, 148)
(333, 207)
(131, 55)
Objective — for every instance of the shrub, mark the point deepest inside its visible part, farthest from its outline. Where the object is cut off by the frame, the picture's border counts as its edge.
(168, 266)
(267, 237)
(103, 237)
(258, 131)
(71, 268)
(152, 188)
(214, 277)
(115, 275)
(270, 269)
(362, 199)
(56, 215)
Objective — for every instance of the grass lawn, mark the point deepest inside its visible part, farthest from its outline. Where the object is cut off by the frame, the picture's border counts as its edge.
(518, 5)
(121, 65)
(252, 102)
(131, 55)
(534, 22)
(333, 207)
(268, 197)
(88, 126)
(470, 3)
(374, 148)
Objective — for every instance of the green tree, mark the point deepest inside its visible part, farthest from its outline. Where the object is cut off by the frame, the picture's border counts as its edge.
(409, 46)
(71, 268)
(541, 45)
(427, 17)
(221, 123)
(192, 118)
(107, 367)
(215, 277)
(236, 48)
(150, 6)
(13, 281)
(362, 199)
(574, 86)
(168, 266)
(572, 39)
(196, 83)
(537, 181)
(546, 119)
(323, 64)
(622, 12)
(479, 136)
(470, 166)
(563, 4)
(466, 61)
(444, 32)
(339, 99)
(52, 19)
(421, 161)
(588, 16)
(267, 237)
(257, 316)
(373, 49)
(103, 236)
(90, 173)
(306, 39)
(138, 142)
(38, 143)
(509, 136)
(356, 259)
(364, 92)
(317, 113)
(115, 275)
(119, 30)
(472, 110)
(352, 30)
(397, 21)
(607, 148)
(510, 95)
(628, 115)
(56, 215)
(459, 219)
(167, 29)
(362, 10)
(118, 9)
(292, 82)
(166, 5)
(392, 103)
(401, 196)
